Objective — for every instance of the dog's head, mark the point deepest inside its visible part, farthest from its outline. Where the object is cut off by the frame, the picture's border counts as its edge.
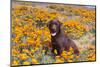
(54, 27)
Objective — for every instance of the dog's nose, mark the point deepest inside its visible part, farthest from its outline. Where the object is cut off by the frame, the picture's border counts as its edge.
(53, 31)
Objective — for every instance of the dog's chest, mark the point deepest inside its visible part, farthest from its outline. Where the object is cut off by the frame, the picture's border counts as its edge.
(58, 41)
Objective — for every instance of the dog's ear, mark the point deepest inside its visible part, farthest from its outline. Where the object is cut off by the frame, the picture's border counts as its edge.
(59, 22)
(48, 24)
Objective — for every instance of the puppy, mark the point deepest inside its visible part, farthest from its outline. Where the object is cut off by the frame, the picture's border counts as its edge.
(59, 40)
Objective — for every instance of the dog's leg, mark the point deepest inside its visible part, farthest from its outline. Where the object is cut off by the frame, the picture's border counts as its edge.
(52, 52)
(73, 45)
(70, 43)
(59, 51)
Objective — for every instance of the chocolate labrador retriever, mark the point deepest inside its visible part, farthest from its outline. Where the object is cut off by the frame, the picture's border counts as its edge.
(59, 40)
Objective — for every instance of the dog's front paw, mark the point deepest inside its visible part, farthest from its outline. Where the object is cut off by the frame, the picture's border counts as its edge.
(76, 52)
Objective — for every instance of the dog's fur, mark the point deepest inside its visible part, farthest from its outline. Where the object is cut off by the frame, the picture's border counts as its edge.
(59, 40)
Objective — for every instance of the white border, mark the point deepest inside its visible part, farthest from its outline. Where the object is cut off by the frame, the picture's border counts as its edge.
(5, 33)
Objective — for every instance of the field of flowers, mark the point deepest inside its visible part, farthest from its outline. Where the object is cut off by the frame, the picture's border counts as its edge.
(31, 40)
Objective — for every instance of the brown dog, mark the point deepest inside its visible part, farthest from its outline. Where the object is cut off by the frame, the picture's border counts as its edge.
(59, 40)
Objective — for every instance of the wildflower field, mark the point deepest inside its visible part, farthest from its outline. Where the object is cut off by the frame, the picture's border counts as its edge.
(31, 39)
